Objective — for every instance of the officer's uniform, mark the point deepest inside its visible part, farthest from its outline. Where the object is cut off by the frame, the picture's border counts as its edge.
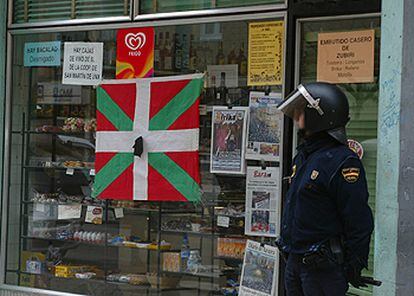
(326, 201)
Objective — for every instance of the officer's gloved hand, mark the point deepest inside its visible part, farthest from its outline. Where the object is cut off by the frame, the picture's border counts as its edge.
(353, 274)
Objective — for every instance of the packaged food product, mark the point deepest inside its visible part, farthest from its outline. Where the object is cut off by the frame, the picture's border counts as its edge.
(231, 247)
(171, 261)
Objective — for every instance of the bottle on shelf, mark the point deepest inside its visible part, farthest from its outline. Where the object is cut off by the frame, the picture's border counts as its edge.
(221, 95)
(185, 59)
(185, 252)
(167, 53)
(220, 58)
(157, 51)
(193, 54)
(178, 52)
(242, 61)
(232, 58)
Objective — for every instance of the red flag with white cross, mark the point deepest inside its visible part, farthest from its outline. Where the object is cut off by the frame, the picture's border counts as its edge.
(147, 139)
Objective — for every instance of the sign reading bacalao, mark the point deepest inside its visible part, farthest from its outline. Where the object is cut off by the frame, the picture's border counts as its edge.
(346, 57)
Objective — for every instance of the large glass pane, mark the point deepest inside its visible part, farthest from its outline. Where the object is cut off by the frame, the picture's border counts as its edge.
(28, 11)
(151, 6)
(363, 100)
(134, 248)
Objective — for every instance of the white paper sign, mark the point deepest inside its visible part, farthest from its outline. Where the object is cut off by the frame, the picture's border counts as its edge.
(82, 64)
(230, 74)
(70, 172)
(262, 201)
(260, 270)
(94, 215)
(69, 211)
(58, 94)
(223, 221)
(119, 213)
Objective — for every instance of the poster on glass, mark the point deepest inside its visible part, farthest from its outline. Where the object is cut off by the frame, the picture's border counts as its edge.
(259, 272)
(262, 201)
(228, 140)
(265, 127)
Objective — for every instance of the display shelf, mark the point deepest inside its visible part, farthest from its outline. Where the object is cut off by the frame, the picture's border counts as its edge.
(127, 210)
(194, 233)
(102, 245)
(240, 260)
(214, 275)
(34, 167)
(106, 282)
(63, 133)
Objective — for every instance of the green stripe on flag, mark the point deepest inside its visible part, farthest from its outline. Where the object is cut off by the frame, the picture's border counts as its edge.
(111, 171)
(174, 174)
(177, 106)
(112, 112)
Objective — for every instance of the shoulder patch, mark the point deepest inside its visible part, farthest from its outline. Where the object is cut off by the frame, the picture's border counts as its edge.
(351, 175)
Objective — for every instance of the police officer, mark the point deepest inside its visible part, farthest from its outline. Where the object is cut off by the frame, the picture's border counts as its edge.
(326, 223)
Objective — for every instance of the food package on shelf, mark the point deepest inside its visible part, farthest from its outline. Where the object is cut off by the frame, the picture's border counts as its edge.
(69, 271)
(231, 247)
(171, 261)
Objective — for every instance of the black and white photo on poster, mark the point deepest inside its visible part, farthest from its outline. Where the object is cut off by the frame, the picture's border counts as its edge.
(228, 139)
(265, 127)
(262, 201)
(259, 272)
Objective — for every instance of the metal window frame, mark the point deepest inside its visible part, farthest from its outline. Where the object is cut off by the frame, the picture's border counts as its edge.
(279, 15)
(205, 12)
(136, 16)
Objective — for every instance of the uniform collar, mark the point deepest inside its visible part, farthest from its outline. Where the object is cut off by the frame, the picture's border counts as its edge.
(316, 142)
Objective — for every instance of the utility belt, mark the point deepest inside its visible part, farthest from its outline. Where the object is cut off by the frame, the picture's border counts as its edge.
(329, 251)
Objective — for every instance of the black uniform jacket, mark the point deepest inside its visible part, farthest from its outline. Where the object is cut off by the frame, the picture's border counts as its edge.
(327, 199)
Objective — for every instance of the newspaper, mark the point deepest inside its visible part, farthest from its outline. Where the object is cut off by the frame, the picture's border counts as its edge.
(227, 140)
(262, 201)
(259, 272)
(265, 127)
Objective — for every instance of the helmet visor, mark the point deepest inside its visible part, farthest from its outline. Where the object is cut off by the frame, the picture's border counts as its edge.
(296, 102)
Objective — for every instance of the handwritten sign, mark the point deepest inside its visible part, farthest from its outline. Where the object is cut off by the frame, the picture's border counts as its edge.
(43, 54)
(346, 57)
(265, 62)
(82, 63)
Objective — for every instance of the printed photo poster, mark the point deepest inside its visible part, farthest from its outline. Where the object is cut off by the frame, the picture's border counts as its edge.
(135, 53)
(259, 272)
(262, 201)
(228, 140)
(264, 139)
(82, 63)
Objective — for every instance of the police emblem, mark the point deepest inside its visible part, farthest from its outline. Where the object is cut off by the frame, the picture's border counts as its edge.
(314, 175)
(351, 175)
(293, 171)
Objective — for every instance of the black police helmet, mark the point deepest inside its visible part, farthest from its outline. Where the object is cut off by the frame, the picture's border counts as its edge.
(335, 107)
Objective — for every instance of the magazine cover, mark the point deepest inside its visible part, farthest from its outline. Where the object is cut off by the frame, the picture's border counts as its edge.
(262, 201)
(228, 140)
(265, 127)
(259, 272)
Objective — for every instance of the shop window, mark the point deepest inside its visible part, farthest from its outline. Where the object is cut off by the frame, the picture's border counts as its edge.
(363, 100)
(150, 6)
(28, 11)
(136, 249)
